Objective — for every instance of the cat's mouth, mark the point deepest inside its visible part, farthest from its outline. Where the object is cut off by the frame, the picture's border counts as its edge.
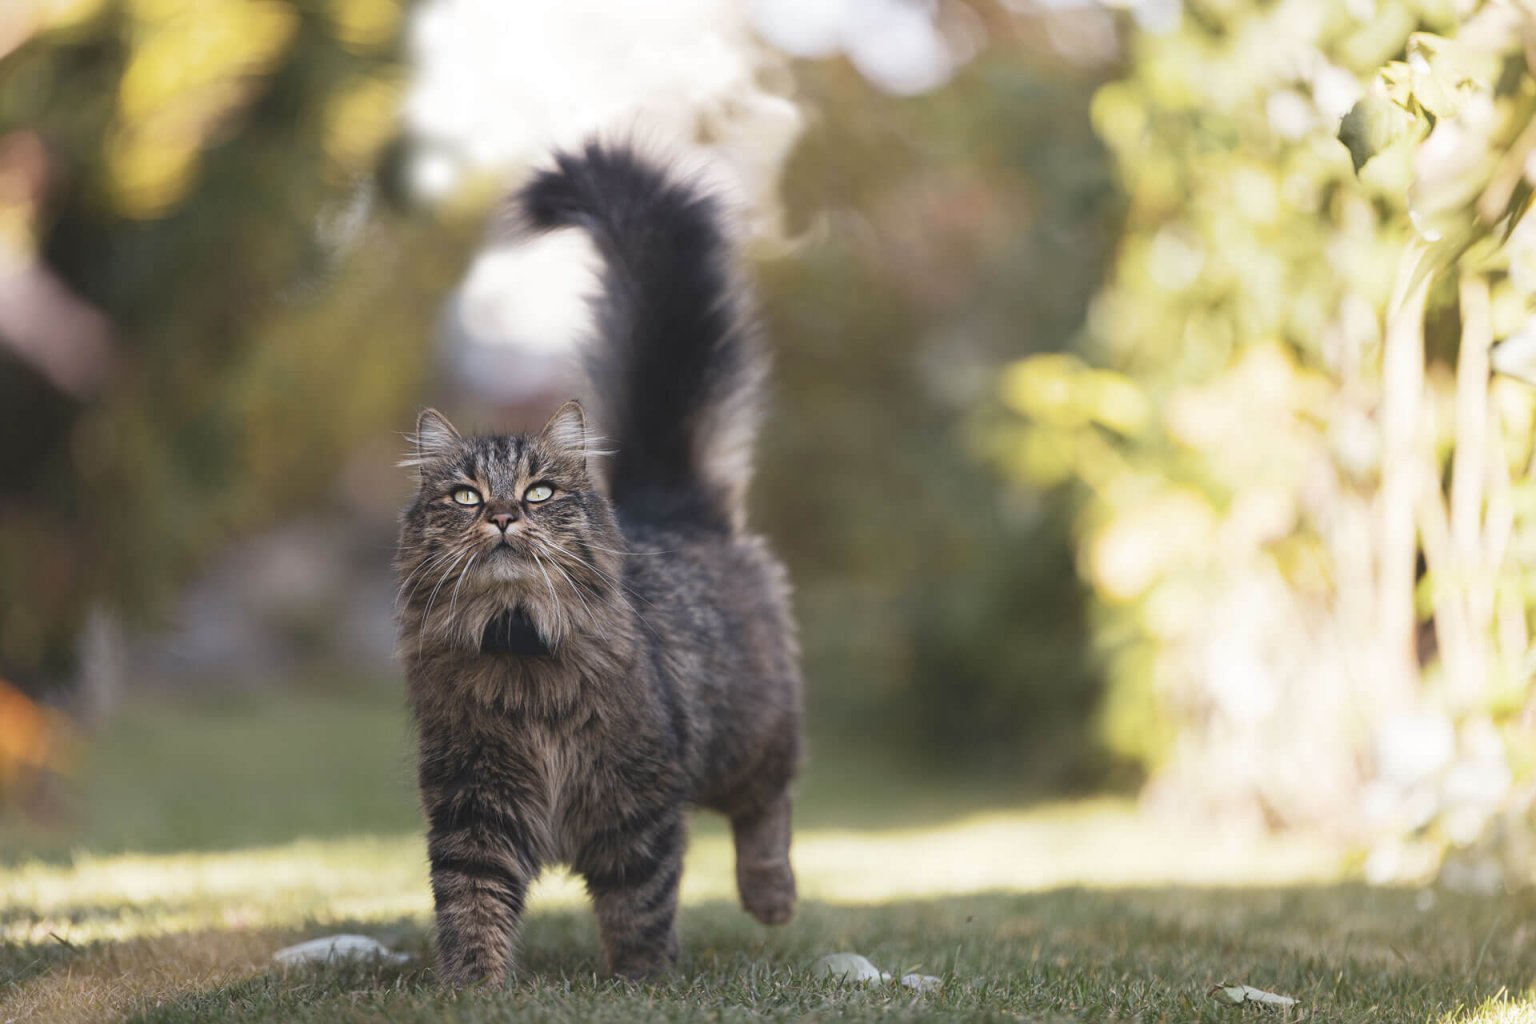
(504, 563)
(509, 544)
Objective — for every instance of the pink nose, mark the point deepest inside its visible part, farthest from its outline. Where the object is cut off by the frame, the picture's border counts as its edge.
(504, 520)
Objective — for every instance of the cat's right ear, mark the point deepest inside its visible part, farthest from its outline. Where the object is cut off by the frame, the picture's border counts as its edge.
(434, 438)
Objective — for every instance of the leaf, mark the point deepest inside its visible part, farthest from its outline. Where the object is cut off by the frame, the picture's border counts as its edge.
(1436, 84)
(1397, 81)
(1515, 356)
(1371, 126)
(1241, 995)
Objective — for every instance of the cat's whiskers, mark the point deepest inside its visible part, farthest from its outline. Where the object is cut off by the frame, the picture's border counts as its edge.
(576, 587)
(430, 561)
(436, 561)
(552, 550)
(553, 597)
(605, 576)
(568, 553)
(629, 551)
(431, 600)
(454, 603)
(618, 585)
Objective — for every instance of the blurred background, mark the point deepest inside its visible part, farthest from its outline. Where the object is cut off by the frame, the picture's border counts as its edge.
(1131, 434)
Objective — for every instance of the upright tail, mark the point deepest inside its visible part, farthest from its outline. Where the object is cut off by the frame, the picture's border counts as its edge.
(677, 366)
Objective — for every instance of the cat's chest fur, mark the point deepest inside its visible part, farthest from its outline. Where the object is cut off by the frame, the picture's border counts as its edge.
(555, 766)
(572, 744)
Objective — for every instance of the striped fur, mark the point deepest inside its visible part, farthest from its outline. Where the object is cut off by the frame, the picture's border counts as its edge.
(580, 682)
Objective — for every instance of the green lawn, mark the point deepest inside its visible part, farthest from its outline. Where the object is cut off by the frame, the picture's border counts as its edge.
(207, 837)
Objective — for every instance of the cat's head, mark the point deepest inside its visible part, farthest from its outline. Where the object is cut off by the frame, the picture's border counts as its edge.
(505, 523)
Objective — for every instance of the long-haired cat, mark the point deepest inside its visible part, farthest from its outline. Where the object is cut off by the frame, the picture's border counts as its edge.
(586, 660)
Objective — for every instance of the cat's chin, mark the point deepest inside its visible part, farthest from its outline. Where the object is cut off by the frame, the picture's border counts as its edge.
(503, 565)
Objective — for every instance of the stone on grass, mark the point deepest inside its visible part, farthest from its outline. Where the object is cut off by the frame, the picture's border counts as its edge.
(1247, 995)
(848, 967)
(335, 948)
(855, 968)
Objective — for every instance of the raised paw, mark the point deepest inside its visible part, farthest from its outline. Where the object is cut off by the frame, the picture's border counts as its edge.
(767, 890)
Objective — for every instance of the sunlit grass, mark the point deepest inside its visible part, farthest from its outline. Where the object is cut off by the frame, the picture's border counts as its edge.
(208, 838)
(127, 896)
(1501, 1009)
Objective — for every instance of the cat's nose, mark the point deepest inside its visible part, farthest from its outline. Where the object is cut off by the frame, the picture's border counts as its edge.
(504, 520)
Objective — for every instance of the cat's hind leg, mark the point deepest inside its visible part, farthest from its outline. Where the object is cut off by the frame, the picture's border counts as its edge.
(764, 877)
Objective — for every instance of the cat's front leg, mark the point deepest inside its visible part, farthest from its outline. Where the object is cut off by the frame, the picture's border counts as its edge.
(479, 897)
(483, 860)
(632, 870)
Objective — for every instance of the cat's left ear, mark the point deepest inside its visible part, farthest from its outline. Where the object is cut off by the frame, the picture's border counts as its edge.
(434, 438)
(567, 429)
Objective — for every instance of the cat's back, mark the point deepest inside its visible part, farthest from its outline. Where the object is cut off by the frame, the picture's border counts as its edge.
(709, 588)
(716, 608)
(718, 604)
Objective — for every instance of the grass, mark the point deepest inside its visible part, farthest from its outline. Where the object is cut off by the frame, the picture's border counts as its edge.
(207, 837)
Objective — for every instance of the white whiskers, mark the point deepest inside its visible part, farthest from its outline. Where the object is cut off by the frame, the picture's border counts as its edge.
(432, 599)
(429, 562)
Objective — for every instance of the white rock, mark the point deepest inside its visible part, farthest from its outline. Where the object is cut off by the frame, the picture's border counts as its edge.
(1239, 995)
(333, 948)
(848, 967)
(855, 968)
(921, 982)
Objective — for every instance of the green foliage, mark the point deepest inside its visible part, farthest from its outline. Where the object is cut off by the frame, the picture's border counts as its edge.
(1302, 507)
(206, 207)
(943, 238)
(1371, 126)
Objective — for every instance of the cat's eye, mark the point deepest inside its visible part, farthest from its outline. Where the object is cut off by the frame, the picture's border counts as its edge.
(466, 496)
(538, 493)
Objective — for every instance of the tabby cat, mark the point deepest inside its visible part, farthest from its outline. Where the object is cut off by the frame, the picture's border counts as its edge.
(587, 657)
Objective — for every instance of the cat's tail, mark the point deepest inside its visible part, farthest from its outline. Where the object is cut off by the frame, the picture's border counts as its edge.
(677, 366)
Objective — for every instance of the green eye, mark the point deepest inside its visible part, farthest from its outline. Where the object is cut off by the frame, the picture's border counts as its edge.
(538, 493)
(466, 496)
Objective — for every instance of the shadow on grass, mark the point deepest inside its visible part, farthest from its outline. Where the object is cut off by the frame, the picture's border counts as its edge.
(1347, 952)
(186, 776)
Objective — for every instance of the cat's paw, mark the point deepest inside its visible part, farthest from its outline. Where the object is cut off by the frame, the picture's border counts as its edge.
(637, 967)
(767, 891)
(461, 976)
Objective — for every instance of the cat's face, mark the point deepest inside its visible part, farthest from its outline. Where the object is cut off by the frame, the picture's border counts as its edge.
(504, 521)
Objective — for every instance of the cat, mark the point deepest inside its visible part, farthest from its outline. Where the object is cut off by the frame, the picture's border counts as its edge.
(587, 655)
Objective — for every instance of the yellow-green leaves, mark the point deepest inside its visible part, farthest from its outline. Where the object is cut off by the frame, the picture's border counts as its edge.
(1375, 123)
(1063, 391)
(1309, 372)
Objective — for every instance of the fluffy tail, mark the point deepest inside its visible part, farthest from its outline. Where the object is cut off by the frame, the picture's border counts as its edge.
(677, 366)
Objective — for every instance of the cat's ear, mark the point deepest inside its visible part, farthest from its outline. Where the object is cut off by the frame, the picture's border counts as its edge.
(567, 428)
(434, 437)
